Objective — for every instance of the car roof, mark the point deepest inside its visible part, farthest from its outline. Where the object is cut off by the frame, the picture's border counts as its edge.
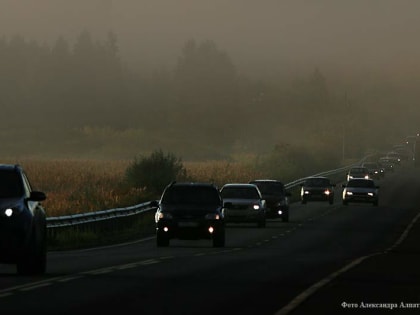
(240, 185)
(265, 181)
(10, 167)
(192, 184)
(358, 168)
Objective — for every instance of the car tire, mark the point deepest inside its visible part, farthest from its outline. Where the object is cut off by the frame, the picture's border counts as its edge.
(219, 239)
(162, 240)
(33, 261)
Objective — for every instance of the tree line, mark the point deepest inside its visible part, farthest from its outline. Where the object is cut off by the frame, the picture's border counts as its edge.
(203, 101)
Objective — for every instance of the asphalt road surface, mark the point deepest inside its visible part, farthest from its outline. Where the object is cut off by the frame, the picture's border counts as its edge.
(329, 259)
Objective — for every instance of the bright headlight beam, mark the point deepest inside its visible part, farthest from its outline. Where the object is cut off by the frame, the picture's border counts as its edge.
(8, 212)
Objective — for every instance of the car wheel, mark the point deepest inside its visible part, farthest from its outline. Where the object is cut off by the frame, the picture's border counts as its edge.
(34, 259)
(219, 239)
(162, 240)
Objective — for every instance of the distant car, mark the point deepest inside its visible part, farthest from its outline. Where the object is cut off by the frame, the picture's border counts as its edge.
(387, 164)
(360, 190)
(276, 197)
(394, 157)
(22, 222)
(375, 170)
(358, 172)
(243, 203)
(317, 188)
(190, 211)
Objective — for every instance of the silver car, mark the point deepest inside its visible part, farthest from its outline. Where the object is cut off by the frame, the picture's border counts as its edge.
(243, 203)
(360, 190)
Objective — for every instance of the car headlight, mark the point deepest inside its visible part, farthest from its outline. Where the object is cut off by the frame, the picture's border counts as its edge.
(306, 192)
(9, 212)
(256, 207)
(327, 192)
(163, 215)
(349, 193)
(367, 177)
(371, 194)
(212, 216)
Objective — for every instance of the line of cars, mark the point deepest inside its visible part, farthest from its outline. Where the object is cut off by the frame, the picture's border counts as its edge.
(201, 210)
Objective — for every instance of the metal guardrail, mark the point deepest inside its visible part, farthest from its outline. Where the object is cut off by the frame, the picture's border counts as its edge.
(98, 217)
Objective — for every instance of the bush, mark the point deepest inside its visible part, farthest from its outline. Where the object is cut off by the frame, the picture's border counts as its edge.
(153, 173)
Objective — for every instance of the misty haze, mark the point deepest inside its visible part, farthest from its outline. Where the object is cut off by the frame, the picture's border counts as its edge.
(207, 79)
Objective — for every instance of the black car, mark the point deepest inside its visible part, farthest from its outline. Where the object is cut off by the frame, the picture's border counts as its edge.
(276, 197)
(375, 170)
(317, 188)
(190, 211)
(23, 226)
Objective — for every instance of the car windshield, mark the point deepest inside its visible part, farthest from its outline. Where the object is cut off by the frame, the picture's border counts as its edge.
(196, 195)
(267, 188)
(240, 193)
(358, 171)
(10, 185)
(317, 182)
(361, 183)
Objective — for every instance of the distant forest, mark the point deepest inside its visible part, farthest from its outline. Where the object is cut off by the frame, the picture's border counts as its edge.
(82, 97)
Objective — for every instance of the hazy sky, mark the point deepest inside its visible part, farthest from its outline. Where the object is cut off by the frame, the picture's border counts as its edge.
(344, 33)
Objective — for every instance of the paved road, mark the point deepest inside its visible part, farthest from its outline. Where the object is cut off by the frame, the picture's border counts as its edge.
(260, 271)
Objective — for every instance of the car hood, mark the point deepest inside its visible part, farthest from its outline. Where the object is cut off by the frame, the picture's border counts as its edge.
(317, 187)
(361, 189)
(237, 201)
(196, 210)
(10, 203)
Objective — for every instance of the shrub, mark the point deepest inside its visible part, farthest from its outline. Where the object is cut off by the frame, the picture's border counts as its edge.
(153, 173)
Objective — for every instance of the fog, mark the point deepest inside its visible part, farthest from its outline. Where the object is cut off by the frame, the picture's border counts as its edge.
(346, 34)
(360, 46)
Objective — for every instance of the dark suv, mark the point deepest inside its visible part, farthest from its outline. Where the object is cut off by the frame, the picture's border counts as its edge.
(22, 222)
(276, 197)
(190, 211)
(317, 188)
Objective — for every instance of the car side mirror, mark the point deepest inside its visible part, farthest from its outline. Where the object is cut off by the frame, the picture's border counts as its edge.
(37, 196)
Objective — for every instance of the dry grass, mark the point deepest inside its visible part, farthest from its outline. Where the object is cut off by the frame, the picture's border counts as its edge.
(78, 186)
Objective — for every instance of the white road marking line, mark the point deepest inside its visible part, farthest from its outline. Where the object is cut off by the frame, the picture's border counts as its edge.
(34, 287)
(66, 279)
(317, 286)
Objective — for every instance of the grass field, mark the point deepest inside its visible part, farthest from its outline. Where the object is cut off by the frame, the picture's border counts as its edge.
(77, 186)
